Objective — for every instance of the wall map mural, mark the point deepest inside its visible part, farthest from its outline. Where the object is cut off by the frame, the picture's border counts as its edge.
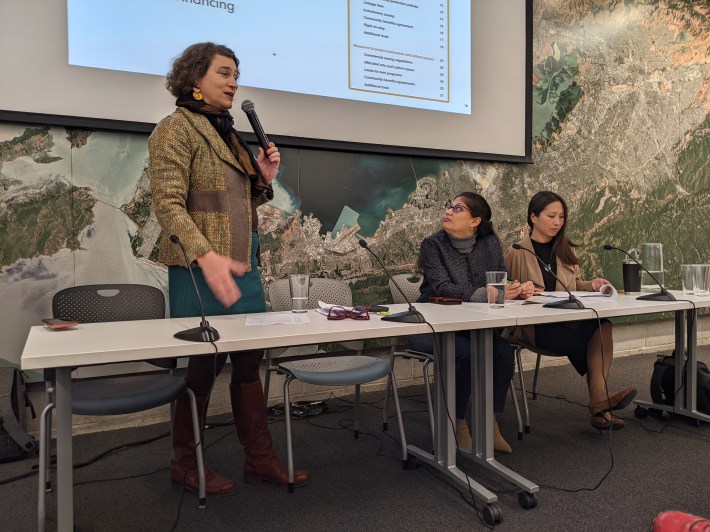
(621, 98)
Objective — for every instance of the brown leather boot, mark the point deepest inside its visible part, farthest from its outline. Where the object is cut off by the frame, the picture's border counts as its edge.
(261, 462)
(184, 464)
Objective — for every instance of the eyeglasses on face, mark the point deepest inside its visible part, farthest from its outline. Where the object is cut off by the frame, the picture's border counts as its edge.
(459, 207)
(340, 313)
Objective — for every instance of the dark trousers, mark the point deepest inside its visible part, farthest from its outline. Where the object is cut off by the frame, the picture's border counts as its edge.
(202, 370)
(503, 365)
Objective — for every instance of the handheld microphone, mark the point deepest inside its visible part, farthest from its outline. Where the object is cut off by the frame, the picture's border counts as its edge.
(408, 316)
(203, 333)
(663, 295)
(248, 108)
(572, 302)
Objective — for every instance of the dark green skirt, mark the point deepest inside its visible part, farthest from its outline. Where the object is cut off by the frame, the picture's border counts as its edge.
(183, 301)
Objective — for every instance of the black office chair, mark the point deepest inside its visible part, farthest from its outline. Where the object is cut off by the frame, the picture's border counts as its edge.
(519, 346)
(327, 290)
(409, 285)
(325, 369)
(124, 394)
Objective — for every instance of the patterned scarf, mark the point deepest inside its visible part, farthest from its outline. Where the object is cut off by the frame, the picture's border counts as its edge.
(223, 123)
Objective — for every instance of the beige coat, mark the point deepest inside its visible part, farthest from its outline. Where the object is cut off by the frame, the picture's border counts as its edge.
(524, 267)
(200, 191)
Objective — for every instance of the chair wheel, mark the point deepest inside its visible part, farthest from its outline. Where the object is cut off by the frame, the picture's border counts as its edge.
(527, 500)
(641, 412)
(492, 514)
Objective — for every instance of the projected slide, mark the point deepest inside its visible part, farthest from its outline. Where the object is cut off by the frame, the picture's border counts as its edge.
(411, 53)
(400, 48)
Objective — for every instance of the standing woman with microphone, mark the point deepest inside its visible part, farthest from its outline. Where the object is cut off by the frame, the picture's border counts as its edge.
(206, 185)
(588, 346)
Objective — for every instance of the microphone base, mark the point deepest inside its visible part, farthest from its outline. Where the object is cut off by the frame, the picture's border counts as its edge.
(657, 296)
(572, 303)
(408, 316)
(204, 333)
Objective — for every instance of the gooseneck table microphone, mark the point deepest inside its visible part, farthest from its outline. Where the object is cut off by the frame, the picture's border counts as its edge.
(572, 302)
(205, 332)
(663, 295)
(408, 316)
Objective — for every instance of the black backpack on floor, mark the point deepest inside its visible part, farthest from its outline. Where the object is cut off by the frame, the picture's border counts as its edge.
(663, 383)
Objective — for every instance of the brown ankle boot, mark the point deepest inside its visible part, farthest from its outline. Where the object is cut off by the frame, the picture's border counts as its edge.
(184, 463)
(261, 462)
(463, 436)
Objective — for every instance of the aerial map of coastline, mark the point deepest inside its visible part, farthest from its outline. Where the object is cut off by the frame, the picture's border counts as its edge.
(621, 119)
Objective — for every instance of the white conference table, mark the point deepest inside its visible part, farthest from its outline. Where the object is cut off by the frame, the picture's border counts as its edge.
(104, 343)
(685, 310)
(142, 340)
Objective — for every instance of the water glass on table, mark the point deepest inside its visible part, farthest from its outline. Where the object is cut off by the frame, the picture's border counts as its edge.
(702, 279)
(687, 278)
(299, 285)
(495, 288)
(652, 260)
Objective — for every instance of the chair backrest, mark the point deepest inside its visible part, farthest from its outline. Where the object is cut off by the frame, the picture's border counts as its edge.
(326, 290)
(95, 303)
(109, 302)
(408, 283)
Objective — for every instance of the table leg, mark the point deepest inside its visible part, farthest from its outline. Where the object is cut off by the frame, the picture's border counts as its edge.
(444, 457)
(65, 484)
(482, 411)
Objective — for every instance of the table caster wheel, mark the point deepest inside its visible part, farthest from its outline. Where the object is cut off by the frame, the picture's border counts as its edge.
(641, 412)
(527, 500)
(492, 515)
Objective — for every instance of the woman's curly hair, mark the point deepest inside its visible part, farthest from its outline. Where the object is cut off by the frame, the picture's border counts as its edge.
(192, 65)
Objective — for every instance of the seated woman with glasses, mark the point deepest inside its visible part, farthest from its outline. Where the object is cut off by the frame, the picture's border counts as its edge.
(588, 345)
(454, 262)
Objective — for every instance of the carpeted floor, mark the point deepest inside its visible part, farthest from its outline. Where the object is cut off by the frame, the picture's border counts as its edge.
(587, 481)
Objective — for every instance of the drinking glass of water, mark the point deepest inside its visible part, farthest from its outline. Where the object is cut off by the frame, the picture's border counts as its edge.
(652, 260)
(495, 288)
(702, 280)
(687, 278)
(299, 285)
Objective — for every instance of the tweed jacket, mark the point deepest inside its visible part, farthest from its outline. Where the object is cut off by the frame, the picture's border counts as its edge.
(450, 273)
(200, 192)
(523, 266)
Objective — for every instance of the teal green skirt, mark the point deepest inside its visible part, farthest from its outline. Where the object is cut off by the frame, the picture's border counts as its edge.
(183, 301)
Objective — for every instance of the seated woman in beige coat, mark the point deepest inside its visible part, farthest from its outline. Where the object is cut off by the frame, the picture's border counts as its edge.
(588, 346)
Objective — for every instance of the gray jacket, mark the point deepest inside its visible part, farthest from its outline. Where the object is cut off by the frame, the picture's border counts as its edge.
(450, 273)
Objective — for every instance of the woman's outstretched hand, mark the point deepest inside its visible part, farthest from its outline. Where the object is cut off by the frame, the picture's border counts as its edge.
(218, 271)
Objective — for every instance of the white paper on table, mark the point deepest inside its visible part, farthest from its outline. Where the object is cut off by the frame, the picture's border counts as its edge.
(324, 308)
(277, 318)
(607, 291)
